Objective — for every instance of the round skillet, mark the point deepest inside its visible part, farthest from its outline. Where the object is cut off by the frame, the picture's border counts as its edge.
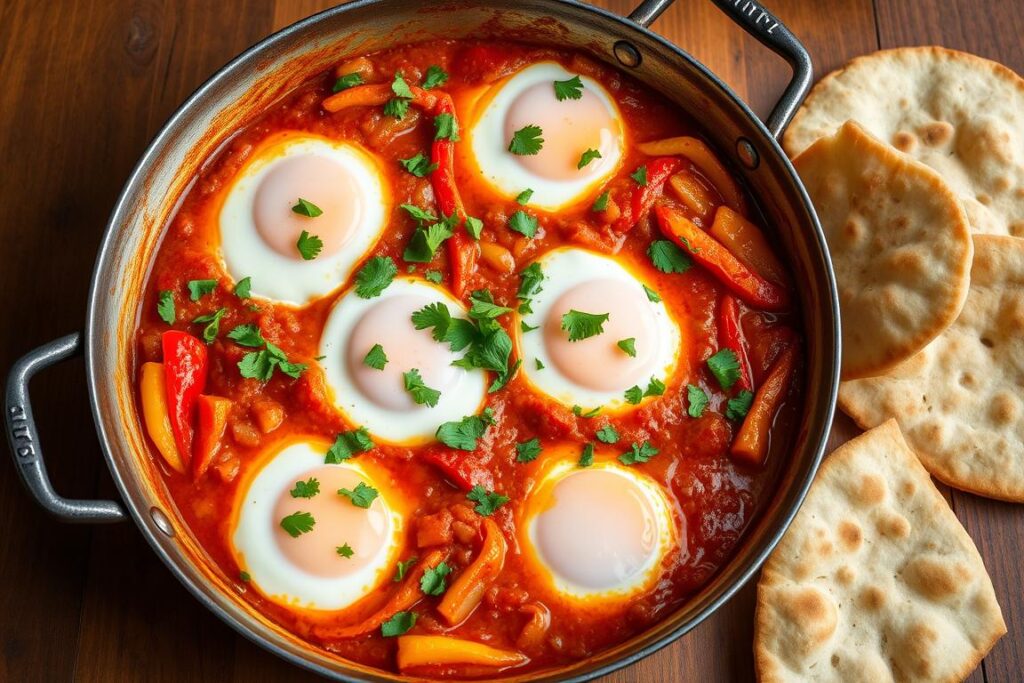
(267, 71)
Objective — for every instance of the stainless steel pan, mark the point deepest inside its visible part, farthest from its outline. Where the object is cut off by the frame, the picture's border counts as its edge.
(265, 73)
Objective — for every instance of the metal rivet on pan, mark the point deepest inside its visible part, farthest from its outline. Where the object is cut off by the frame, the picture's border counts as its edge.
(161, 521)
(627, 54)
(747, 153)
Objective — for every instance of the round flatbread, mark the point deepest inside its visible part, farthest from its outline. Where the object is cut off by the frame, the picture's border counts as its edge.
(958, 113)
(900, 245)
(875, 580)
(960, 401)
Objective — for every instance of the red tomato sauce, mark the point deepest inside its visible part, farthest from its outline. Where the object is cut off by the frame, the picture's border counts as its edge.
(715, 497)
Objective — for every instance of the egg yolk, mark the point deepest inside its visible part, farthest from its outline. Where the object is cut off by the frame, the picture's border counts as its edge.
(389, 323)
(319, 180)
(599, 531)
(337, 522)
(570, 127)
(597, 362)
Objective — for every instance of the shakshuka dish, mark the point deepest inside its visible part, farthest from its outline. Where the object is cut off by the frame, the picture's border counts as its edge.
(468, 358)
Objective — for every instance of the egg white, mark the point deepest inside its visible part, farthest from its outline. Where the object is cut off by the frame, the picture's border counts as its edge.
(489, 143)
(588, 551)
(270, 571)
(418, 423)
(563, 269)
(294, 280)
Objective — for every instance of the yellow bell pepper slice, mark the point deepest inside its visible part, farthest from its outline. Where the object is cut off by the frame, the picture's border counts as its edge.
(156, 416)
(421, 651)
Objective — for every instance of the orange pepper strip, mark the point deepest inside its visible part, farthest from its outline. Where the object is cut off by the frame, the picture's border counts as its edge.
(465, 593)
(747, 243)
(730, 271)
(706, 162)
(407, 596)
(420, 651)
(152, 388)
(375, 94)
(213, 420)
(752, 441)
(692, 192)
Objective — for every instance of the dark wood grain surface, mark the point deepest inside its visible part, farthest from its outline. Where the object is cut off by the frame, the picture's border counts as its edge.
(84, 84)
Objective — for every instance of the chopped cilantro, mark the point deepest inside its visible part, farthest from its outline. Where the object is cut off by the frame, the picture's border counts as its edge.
(418, 213)
(607, 434)
(463, 435)
(347, 81)
(212, 322)
(375, 276)
(587, 157)
(309, 246)
(523, 223)
(652, 296)
(697, 400)
(243, 288)
(638, 453)
(247, 335)
(667, 257)
(418, 165)
(400, 87)
(425, 241)
(398, 624)
(579, 412)
(446, 127)
(420, 392)
(435, 76)
(526, 141)
(526, 327)
(540, 366)
(530, 279)
(362, 496)
(587, 456)
(165, 306)
(725, 366)
(200, 288)
(528, 451)
(634, 395)
(345, 551)
(348, 444)
(306, 489)
(304, 207)
(640, 176)
(376, 358)
(655, 387)
(571, 89)
(298, 523)
(397, 107)
(261, 364)
(486, 501)
(601, 203)
(523, 198)
(582, 325)
(736, 408)
(474, 226)
(433, 276)
(244, 576)
(402, 568)
(628, 346)
(432, 582)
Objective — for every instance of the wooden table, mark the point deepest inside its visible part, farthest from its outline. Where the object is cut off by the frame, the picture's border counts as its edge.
(83, 87)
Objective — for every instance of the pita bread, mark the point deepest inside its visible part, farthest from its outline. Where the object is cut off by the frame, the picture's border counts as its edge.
(875, 580)
(960, 402)
(900, 245)
(958, 113)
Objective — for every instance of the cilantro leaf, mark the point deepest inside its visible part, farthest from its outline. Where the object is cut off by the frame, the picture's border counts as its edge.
(463, 435)
(243, 288)
(400, 87)
(298, 523)
(523, 223)
(418, 213)
(402, 568)
(526, 141)
(571, 89)
(482, 309)
(587, 157)
(304, 207)
(376, 358)
(634, 395)
(345, 551)
(397, 107)
(435, 315)
(446, 127)
(432, 582)
(640, 176)
(212, 321)
(425, 241)
(607, 434)
(474, 226)
(652, 296)
(530, 280)
(374, 277)
(655, 387)
(306, 489)
(200, 288)
(347, 445)
(523, 198)
(697, 400)
(736, 408)
(527, 328)
(725, 366)
(165, 306)
(587, 456)
(582, 325)
(257, 365)
(578, 412)
(362, 496)
(247, 335)
(309, 246)
(528, 451)
(435, 76)
(667, 257)
(601, 203)
(347, 81)
(433, 276)
(628, 346)
(486, 501)
(418, 165)
(420, 392)
(538, 363)
(638, 453)
(398, 624)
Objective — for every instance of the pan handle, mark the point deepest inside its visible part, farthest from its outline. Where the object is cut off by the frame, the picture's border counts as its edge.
(23, 437)
(763, 25)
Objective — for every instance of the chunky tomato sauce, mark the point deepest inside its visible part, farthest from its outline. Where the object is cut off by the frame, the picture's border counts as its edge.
(716, 495)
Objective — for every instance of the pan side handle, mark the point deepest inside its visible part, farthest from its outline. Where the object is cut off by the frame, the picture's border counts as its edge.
(756, 20)
(23, 437)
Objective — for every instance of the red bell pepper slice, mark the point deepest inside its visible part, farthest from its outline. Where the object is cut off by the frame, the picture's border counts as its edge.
(462, 251)
(185, 368)
(641, 198)
(730, 336)
(753, 289)
(460, 467)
